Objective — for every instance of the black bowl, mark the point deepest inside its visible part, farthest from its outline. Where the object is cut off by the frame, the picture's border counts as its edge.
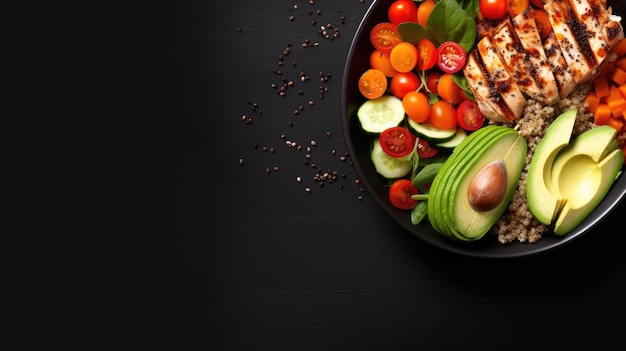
(358, 144)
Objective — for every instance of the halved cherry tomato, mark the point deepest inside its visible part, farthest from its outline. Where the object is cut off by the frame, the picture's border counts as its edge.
(469, 116)
(427, 54)
(416, 106)
(543, 22)
(397, 141)
(424, 10)
(448, 89)
(451, 57)
(515, 7)
(384, 36)
(443, 115)
(402, 11)
(400, 193)
(403, 82)
(403, 57)
(493, 9)
(425, 150)
(381, 61)
(372, 83)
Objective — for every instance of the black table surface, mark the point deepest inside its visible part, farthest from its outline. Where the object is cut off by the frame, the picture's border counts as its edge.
(234, 254)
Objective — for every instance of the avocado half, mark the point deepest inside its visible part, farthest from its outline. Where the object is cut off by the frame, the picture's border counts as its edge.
(450, 210)
(567, 179)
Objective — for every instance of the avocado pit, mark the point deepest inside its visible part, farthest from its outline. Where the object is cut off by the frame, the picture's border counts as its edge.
(488, 187)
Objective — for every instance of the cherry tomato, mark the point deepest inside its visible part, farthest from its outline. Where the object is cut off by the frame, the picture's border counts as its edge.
(403, 57)
(424, 10)
(448, 89)
(432, 80)
(443, 115)
(469, 116)
(515, 7)
(384, 36)
(381, 61)
(427, 54)
(493, 9)
(403, 82)
(400, 193)
(451, 57)
(372, 83)
(543, 23)
(402, 11)
(425, 150)
(397, 141)
(416, 106)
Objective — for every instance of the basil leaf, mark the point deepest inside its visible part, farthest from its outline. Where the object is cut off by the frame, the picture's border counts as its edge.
(448, 21)
(419, 212)
(412, 32)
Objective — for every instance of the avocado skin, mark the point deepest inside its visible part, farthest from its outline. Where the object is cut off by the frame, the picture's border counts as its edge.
(448, 206)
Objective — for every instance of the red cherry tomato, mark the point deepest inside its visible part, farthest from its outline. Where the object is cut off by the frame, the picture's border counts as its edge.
(402, 11)
(493, 9)
(397, 141)
(469, 116)
(384, 36)
(451, 57)
(425, 150)
(400, 194)
(403, 82)
(427, 54)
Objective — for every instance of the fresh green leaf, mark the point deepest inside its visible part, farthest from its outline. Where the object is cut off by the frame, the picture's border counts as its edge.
(426, 175)
(412, 32)
(461, 81)
(419, 212)
(449, 21)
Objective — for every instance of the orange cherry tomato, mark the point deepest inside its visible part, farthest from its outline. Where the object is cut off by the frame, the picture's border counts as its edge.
(403, 82)
(515, 7)
(424, 10)
(384, 36)
(443, 115)
(400, 193)
(543, 23)
(372, 83)
(381, 61)
(403, 57)
(416, 106)
(427, 54)
(448, 90)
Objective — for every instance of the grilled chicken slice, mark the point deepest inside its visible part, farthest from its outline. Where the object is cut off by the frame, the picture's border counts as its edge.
(564, 77)
(490, 80)
(520, 46)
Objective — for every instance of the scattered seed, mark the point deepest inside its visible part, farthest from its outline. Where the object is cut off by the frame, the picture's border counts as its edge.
(307, 189)
(241, 161)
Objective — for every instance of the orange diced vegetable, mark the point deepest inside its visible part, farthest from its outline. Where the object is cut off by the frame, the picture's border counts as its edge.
(622, 89)
(620, 48)
(602, 114)
(616, 123)
(618, 76)
(592, 101)
(621, 63)
(601, 86)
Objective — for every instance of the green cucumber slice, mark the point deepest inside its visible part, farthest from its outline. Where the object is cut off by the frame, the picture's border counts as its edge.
(376, 115)
(455, 141)
(387, 166)
(431, 134)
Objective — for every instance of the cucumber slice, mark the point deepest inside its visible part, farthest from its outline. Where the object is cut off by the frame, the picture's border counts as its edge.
(387, 166)
(456, 140)
(376, 115)
(431, 134)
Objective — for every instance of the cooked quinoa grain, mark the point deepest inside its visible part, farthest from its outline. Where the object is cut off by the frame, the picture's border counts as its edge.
(517, 223)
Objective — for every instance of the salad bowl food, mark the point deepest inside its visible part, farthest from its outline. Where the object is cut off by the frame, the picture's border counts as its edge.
(359, 143)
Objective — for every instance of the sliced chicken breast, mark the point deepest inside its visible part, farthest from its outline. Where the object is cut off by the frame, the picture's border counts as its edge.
(564, 77)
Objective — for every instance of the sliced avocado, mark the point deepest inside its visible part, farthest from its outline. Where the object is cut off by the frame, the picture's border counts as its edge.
(543, 201)
(583, 172)
(448, 206)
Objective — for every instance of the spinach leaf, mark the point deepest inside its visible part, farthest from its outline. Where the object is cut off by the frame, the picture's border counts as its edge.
(419, 212)
(412, 32)
(450, 21)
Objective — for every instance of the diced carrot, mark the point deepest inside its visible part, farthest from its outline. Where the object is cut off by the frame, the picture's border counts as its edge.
(601, 86)
(621, 63)
(592, 101)
(602, 114)
(616, 123)
(622, 89)
(620, 48)
(618, 76)
(618, 107)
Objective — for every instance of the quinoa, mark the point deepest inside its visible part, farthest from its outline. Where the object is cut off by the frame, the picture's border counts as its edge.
(517, 222)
